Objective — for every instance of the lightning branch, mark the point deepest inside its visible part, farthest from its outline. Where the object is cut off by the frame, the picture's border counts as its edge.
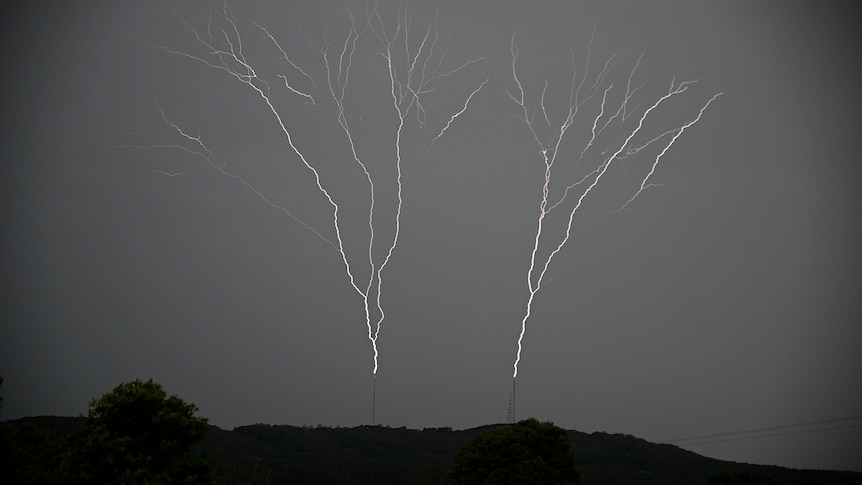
(615, 122)
(414, 61)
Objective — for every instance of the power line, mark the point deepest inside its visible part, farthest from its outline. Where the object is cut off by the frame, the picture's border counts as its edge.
(772, 435)
(771, 428)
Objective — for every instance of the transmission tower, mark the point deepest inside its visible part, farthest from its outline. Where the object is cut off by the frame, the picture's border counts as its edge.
(510, 417)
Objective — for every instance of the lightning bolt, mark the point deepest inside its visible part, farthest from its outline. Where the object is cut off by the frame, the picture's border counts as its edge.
(580, 93)
(414, 66)
(407, 85)
(677, 133)
(229, 58)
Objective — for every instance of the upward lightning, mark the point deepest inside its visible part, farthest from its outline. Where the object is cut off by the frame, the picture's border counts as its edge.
(581, 92)
(413, 65)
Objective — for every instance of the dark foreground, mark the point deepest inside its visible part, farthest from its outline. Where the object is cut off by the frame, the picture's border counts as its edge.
(265, 454)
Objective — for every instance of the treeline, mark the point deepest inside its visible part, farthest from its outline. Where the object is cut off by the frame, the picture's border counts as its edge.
(379, 454)
(366, 454)
(266, 454)
(138, 434)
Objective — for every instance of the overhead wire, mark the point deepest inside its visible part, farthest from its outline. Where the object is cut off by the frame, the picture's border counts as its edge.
(737, 435)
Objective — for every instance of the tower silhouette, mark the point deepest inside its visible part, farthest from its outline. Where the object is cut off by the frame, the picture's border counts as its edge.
(510, 417)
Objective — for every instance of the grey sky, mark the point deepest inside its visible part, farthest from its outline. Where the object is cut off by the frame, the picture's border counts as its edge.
(725, 300)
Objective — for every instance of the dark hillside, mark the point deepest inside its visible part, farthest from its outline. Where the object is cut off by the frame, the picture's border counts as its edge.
(617, 458)
(377, 454)
(267, 454)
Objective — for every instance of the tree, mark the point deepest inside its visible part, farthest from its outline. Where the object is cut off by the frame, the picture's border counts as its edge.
(526, 452)
(137, 434)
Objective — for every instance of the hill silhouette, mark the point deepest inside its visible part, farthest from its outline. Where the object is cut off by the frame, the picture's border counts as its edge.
(270, 454)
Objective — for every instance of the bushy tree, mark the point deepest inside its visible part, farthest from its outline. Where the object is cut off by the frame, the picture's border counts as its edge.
(137, 434)
(527, 452)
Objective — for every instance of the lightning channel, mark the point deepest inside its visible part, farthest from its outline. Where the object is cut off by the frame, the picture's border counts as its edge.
(203, 152)
(645, 182)
(414, 66)
(461, 111)
(232, 61)
(582, 92)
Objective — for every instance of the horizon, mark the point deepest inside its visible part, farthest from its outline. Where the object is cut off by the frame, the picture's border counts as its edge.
(489, 425)
(750, 434)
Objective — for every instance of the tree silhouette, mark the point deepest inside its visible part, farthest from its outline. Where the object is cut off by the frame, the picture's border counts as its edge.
(526, 452)
(138, 434)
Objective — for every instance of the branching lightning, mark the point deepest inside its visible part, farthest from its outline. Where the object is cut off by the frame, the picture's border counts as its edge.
(413, 67)
(585, 88)
(407, 84)
(412, 62)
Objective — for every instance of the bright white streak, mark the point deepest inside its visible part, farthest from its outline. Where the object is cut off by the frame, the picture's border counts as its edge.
(348, 49)
(597, 173)
(402, 112)
(208, 156)
(466, 103)
(409, 80)
(553, 145)
(406, 93)
(234, 63)
(644, 183)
